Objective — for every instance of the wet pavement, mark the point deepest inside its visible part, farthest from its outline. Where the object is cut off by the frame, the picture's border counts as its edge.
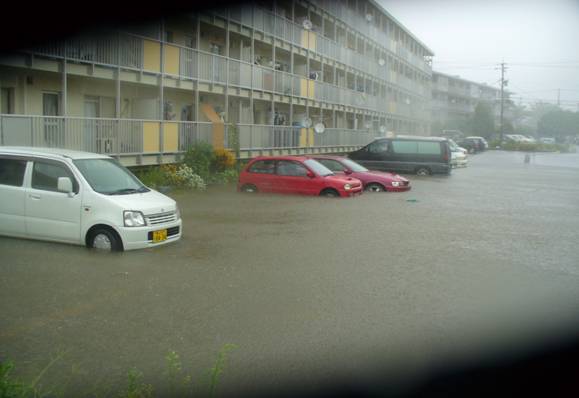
(309, 289)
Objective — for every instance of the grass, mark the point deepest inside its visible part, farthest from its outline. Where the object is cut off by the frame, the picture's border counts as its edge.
(11, 387)
(178, 382)
(532, 147)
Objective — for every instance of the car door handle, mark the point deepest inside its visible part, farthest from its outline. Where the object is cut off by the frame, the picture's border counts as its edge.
(36, 197)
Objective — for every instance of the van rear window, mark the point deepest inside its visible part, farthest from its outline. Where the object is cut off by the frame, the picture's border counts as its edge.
(12, 172)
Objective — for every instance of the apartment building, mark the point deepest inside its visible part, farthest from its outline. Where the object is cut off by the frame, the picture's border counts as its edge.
(292, 76)
(454, 100)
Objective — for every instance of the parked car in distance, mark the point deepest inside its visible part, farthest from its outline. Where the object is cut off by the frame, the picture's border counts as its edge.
(373, 181)
(547, 140)
(81, 198)
(411, 154)
(458, 155)
(472, 144)
(484, 145)
(519, 138)
(295, 175)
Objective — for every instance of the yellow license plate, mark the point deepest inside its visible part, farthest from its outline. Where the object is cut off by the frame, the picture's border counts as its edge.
(159, 236)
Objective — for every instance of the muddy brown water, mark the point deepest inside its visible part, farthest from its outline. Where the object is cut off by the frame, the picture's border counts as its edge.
(310, 290)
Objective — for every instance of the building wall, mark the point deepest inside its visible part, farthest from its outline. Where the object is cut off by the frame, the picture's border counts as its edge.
(367, 73)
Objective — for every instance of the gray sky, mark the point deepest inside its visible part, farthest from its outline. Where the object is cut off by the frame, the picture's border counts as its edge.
(538, 39)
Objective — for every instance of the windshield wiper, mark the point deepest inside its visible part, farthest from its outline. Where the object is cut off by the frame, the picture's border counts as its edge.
(126, 191)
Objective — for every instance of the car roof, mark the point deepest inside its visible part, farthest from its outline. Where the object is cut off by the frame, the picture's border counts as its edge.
(282, 157)
(414, 138)
(333, 157)
(50, 152)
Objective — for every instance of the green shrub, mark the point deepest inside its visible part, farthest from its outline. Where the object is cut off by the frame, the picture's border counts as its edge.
(530, 147)
(224, 177)
(199, 158)
(153, 177)
(172, 175)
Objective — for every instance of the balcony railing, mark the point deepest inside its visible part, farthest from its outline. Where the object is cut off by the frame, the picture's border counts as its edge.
(289, 31)
(129, 52)
(123, 137)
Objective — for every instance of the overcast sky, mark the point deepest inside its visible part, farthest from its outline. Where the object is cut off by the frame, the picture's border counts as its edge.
(538, 40)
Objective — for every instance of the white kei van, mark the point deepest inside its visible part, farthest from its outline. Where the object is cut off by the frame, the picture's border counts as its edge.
(81, 198)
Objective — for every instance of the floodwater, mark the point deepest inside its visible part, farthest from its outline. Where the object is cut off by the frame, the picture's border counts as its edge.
(310, 290)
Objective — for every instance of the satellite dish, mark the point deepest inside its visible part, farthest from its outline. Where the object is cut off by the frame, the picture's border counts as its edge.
(307, 24)
(319, 128)
(307, 122)
(382, 129)
(369, 17)
(381, 62)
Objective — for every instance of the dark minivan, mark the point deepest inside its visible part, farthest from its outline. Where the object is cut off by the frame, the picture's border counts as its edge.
(420, 155)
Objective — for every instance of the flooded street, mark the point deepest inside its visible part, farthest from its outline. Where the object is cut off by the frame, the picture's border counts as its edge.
(309, 289)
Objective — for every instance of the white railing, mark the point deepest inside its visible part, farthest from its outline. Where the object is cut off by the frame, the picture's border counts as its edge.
(287, 30)
(120, 137)
(196, 64)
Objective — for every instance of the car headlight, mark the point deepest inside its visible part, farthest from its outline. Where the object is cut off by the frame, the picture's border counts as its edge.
(177, 212)
(134, 218)
(395, 183)
(347, 187)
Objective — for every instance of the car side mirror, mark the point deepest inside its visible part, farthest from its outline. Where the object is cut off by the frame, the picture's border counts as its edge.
(64, 184)
(347, 171)
(311, 174)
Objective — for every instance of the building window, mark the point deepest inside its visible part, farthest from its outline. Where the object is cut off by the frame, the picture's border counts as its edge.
(7, 100)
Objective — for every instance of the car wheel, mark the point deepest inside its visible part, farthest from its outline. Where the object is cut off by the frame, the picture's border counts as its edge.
(105, 239)
(329, 193)
(249, 188)
(422, 171)
(374, 187)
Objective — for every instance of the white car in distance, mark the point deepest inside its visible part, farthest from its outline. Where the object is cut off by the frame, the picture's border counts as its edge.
(458, 155)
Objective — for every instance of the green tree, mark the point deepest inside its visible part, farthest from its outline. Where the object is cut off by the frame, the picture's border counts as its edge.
(482, 122)
(559, 124)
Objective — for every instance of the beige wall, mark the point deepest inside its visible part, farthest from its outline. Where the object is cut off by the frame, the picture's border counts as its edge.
(179, 99)
(28, 93)
(79, 87)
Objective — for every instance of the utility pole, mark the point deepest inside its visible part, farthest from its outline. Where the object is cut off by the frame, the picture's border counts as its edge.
(503, 84)
(559, 97)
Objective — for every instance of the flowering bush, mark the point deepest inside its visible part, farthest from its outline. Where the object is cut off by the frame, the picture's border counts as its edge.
(182, 176)
(191, 180)
(222, 160)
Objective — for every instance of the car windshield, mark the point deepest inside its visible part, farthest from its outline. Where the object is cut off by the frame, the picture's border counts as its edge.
(353, 165)
(108, 177)
(318, 168)
(453, 146)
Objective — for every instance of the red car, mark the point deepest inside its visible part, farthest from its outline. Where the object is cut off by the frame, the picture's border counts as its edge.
(296, 175)
(374, 181)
